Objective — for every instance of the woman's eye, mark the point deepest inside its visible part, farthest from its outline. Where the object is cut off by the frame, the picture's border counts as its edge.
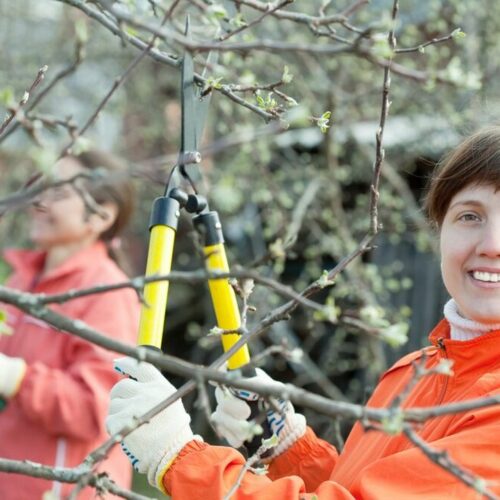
(469, 217)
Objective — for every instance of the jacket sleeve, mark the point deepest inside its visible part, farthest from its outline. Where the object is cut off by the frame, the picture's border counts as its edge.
(407, 474)
(310, 458)
(72, 402)
(215, 470)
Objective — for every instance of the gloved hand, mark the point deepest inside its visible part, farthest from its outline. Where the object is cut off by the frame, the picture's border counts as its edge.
(153, 446)
(12, 371)
(232, 413)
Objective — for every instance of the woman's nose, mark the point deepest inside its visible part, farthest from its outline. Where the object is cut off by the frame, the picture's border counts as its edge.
(489, 243)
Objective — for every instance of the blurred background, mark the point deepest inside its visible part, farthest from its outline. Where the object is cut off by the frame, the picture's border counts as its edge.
(293, 193)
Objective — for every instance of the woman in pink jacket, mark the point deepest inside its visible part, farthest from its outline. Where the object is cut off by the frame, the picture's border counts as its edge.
(55, 384)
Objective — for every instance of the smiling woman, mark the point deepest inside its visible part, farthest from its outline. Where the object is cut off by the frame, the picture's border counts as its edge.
(57, 384)
(61, 223)
(378, 462)
(95, 204)
(464, 203)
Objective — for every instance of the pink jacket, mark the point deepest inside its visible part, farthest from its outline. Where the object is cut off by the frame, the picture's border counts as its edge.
(57, 417)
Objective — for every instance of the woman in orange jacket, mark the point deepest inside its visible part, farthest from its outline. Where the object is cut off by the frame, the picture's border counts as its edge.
(464, 204)
(56, 385)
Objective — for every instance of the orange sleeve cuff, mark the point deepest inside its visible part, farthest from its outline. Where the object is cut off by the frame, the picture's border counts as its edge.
(283, 464)
(310, 458)
(191, 447)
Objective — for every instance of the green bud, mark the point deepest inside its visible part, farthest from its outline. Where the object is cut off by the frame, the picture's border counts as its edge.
(7, 97)
(287, 77)
(81, 32)
(5, 329)
(393, 425)
(323, 121)
(81, 145)
(324, 281)
(444, 367)
(217, 11)
(215, 331)
(396, 335)
(458, 34)
(270, 442)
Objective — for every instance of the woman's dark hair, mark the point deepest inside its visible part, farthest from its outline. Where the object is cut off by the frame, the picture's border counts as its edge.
(112, 186)
(475, 161)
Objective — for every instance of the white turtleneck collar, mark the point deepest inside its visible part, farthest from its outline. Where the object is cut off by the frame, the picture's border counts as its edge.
(462, 328)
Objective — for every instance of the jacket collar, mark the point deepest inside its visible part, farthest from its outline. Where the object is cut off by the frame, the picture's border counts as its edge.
(480, 353)
(29, 263)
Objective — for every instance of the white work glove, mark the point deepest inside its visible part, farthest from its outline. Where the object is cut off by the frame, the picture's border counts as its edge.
(232, 413)
(12, 371)
(153, 446)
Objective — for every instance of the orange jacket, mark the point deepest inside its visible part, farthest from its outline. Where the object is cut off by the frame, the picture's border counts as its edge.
(374, 465)
(57, 417)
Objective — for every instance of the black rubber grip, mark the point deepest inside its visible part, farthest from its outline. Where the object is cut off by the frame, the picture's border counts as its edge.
(258, 413)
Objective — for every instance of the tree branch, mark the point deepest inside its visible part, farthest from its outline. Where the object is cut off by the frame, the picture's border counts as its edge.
(14, 112)
(101, 482)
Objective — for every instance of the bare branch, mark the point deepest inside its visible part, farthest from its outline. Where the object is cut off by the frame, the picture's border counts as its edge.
(270, 10)
(101, 482)
(349, 11)
(300, 212)
(47, 89)
(24, 301)
(117, 83)
(380, 153)
(420, 48)
(296, 16)
(180, 276)
(14, 112)
(158, 55)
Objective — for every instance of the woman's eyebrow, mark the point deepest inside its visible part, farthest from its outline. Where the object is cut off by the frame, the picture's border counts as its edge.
(475, 203)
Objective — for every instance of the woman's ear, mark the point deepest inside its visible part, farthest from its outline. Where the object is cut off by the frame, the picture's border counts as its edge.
(102, 221)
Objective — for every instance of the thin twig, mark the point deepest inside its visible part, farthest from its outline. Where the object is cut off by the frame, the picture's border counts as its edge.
(48, 88)
(380, 152)
(67, 475)
(39, 78)
(349, 11)
(116, 84)
(420, 47)
(295, 16)
(160, 56)
(179, 276)
(270, 11)
(248, 466)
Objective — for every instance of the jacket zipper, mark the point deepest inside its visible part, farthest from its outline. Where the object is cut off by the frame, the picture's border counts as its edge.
(442, 348)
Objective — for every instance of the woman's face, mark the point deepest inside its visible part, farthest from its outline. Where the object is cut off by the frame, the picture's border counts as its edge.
(470, 252)
(59, 217)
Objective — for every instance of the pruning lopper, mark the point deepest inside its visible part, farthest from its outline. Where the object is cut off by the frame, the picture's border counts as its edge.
(163, 225)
